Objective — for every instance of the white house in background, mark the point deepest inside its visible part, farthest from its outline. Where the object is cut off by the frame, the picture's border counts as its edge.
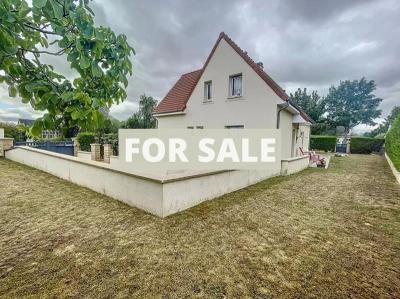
(233, 91)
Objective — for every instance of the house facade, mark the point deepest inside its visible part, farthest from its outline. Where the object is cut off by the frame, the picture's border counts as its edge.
(232, 91)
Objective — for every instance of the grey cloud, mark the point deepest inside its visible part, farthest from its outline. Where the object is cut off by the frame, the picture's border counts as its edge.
(303, 43)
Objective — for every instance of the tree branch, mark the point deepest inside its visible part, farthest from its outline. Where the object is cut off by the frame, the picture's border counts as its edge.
(59, 53)
(40, 30)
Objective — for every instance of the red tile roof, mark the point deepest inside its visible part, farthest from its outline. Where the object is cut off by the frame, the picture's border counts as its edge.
(177, 98)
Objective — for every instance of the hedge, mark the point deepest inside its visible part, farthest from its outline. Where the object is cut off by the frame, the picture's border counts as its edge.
(112, 139)
(85, 139)
(392, 143)
(365, 145)
(323, 143)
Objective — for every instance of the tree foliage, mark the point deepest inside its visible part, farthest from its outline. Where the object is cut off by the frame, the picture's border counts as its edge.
(312, 103)
(384, 127)
(18, 132)
(143, 119)
(31, 29)
(352, 103)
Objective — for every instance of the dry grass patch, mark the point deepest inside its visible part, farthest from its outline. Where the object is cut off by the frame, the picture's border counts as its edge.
(333, 233)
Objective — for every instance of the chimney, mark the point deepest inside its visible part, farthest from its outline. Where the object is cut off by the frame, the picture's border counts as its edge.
(260, 65)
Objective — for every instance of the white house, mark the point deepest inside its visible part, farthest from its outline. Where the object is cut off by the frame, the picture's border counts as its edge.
(233, 91)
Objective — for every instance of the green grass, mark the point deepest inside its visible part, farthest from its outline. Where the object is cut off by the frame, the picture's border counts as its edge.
(320, 233)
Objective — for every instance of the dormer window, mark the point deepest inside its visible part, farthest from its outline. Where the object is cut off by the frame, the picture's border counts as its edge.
(207, 91)
(235, 86)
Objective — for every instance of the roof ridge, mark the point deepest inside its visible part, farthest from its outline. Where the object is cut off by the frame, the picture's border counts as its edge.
(178, 96)
(192, 72)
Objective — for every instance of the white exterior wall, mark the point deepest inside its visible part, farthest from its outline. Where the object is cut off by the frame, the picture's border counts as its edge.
(159, 196)
(286, 126)
(257, 107)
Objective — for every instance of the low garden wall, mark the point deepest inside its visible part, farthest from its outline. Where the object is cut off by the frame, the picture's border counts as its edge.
(293, 165)
(161, 195)
(84, 155)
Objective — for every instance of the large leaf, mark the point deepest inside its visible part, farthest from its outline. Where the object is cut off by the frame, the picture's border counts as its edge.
(39, 3)
(37, 127)
(12, 91)
(84, 62)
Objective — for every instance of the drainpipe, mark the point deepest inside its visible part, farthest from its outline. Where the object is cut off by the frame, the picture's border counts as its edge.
(278, 116)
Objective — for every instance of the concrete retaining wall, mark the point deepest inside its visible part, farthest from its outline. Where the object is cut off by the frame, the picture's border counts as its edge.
(394, 170)
(293, 165)
(84, 155)
(158, 194)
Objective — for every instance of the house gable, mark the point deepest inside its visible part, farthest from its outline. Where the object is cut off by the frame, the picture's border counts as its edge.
(178, 96)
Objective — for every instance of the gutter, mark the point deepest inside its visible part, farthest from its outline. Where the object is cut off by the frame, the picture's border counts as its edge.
(278, 116)
(168, 113)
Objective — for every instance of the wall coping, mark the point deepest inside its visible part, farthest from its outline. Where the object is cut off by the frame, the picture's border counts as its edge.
(146, 176)
(6, 138)
(393, 168)
(295, 158)
(85, 152)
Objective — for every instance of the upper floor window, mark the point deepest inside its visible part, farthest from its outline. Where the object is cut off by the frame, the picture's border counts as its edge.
(235, 86)
(208, 91)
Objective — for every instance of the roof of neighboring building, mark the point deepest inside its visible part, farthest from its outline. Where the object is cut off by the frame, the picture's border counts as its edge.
(26, 122)
(177, 98)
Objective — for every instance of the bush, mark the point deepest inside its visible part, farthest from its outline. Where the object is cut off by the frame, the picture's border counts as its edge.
(18, 132)
(365, 145)
(392, 143)
(323, 143)
(112, 139)
(85, 139)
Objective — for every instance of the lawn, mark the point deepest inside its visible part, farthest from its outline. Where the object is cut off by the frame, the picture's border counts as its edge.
(320, 233)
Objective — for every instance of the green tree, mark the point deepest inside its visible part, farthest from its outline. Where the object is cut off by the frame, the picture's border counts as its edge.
(352, 103)
(18, 132)
(314, 106)
(143, 119)
(384, 127)
(31, 29)
(312, 103)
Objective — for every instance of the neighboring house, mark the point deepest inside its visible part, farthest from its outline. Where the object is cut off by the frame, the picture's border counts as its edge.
(232, 91)
(46, 134)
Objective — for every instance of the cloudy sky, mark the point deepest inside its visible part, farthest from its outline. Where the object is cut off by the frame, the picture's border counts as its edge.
(302, 43)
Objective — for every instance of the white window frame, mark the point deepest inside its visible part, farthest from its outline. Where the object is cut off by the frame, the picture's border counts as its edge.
(206, 84)
(231, 86)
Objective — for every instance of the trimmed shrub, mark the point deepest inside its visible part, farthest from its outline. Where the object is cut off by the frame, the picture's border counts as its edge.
(85, 139)
(392, 143)
(365, 145)
(323, 143)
